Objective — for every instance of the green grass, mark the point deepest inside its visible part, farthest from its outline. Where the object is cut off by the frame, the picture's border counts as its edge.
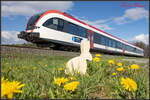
(37, 73)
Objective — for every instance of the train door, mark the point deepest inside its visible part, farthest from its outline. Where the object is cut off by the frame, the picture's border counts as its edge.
(90, 36)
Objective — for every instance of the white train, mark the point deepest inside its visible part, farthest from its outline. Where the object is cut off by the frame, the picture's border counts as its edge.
(58, 29)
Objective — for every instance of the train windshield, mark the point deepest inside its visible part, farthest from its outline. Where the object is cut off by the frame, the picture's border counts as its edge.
(32, 21)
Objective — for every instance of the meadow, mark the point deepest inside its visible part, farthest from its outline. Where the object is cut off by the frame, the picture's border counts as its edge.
(27, 76)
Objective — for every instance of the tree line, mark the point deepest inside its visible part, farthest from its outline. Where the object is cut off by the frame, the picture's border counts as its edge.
(144, 46)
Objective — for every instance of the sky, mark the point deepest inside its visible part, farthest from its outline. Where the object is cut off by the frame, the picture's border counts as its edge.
(127, 20)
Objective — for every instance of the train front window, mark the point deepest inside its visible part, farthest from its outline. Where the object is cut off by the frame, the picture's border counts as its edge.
(48, 23)
(32, 21)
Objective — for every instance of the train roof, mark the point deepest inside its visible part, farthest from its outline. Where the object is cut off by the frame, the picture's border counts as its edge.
(71, 17)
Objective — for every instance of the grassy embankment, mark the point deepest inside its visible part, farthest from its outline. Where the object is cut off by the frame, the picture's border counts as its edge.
(38, 73)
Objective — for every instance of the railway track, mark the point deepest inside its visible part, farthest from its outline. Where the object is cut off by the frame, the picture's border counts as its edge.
(11, 49)
(26, 47)
(14, 49)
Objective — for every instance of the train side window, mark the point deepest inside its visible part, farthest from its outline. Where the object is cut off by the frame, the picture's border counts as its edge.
(60, 24)
(120, 45)
(113, 44)
(130, 48)
(110, 42)
(79, 31)
(107, 41)
(103, 40)
(72, 28)
(66, 26)
(127, 47)
(134, 50)
(97, 38)
(55, 21)
(117, 46)
(82, 31)
(139, 51)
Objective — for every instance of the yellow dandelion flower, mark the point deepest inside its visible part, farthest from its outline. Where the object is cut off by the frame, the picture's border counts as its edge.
(119, 64)
(8, 88)
(6, 63)
(99, 64)
(72, 78)
(134, 66)
(24, 67)
(45, 65)
(98, 55)
(60, 68)
(111, 62)
(71, 86)
(3, 80)
(96, 59)
(120, 69)
(39, 62)
(87, 75)
(34, 68)
(65, 63)
(60, 81)
(114, 73)
(129, 84)
(10, 67)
